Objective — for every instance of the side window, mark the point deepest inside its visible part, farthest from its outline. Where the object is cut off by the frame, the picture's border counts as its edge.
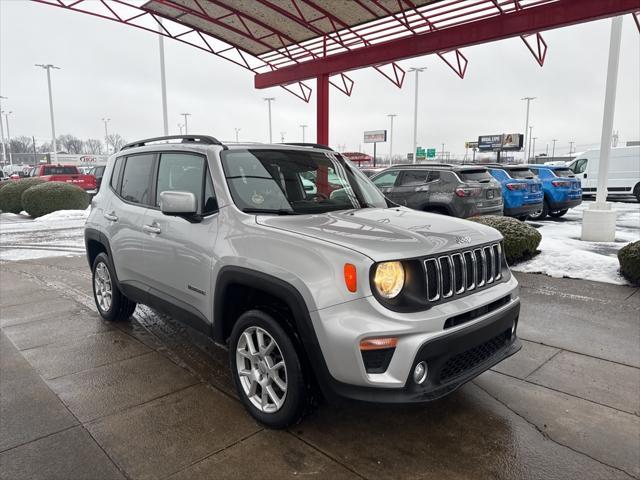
(136, 179)
(534, 170)
(580, 166)
(433, 176)
(386, 180)
(182, 172)
(115, 174)
(413, 178)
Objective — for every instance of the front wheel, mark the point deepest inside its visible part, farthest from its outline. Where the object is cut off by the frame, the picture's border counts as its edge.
(540, 214)
(111, 303)
(559, 213)
(266, 370)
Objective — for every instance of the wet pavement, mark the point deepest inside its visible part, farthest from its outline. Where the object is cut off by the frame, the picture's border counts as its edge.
(84, 399)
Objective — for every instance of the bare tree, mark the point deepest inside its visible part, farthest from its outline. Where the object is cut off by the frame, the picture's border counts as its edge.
(92, 146)
(21, 145)
(116, 141)
(70, 144)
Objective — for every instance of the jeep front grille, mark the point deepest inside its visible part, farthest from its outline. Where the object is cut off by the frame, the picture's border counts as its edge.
(460, 272)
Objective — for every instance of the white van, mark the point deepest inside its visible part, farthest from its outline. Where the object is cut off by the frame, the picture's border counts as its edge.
(624, 171)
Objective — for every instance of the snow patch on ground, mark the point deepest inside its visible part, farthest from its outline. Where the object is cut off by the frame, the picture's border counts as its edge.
(563, 254)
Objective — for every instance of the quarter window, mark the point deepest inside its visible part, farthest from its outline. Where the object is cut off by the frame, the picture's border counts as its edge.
(136, 179)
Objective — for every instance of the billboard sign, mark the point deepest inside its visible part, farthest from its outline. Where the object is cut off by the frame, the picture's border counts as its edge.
(375, 136)
(498, 143)
(512, 141)
(470, 144)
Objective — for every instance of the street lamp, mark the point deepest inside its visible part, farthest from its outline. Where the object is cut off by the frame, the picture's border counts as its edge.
(553, 151)
(186, 123)
(269, 100)
(417, 70)
(180, 126)
(534, 148)
(391, 117)
(304, 127)
(526, 128)
(237, 136)
(4, 150)
(6, 119)
(571, 144)
(529, 149)
(48, 68)
(106, 120)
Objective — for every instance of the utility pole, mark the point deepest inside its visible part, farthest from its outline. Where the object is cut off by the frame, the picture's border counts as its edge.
(6, 119)
(106, 133)
(54, 146)
(526, 128)
(269, 100)
(304, 127)
(529, 149)
(186, 122)
(614, 139)
(4, 148)
(180, 126)
(237, 130)
(417, 70)
(282, 136)
(553, 152)
(534, 148)
(391, 117)
(163, 80)
(571, 144)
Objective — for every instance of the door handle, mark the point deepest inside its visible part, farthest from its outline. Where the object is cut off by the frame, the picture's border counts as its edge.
(112, 217)
(153, 228)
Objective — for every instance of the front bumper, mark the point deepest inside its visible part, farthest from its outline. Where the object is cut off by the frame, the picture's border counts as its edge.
(340, 329)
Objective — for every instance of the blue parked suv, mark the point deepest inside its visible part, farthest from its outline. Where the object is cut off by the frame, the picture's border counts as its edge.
(561, 189)
(521, 189)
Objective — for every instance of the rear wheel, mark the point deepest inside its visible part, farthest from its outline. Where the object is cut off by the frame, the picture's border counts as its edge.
(559, 213)
(540, 214)
(266, 370)
(636, 192)
(111, 303)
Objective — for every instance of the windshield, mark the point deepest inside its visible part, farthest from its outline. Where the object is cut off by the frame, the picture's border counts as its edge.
(562, 172)
(475, 175)
(520, 173)
(296, 182)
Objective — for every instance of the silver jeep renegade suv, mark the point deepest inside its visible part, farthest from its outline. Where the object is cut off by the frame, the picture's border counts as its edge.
(291, 257)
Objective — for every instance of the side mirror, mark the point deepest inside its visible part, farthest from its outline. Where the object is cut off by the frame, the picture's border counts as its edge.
(179, 204)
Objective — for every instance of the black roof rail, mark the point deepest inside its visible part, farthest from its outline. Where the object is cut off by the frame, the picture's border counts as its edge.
(200, 139)
(311, 145)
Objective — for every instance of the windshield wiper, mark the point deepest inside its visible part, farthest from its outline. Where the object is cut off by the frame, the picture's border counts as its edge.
(275, 211)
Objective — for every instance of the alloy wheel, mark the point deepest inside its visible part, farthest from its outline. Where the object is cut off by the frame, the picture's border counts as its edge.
(103, 287)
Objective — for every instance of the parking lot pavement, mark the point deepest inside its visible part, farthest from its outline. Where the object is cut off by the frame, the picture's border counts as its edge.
(84, 399)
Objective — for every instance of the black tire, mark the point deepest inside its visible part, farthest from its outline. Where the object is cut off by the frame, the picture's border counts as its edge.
(296, 398)
(522, 218)
(636, 192)
(120, 308)
(559, 213)
(541, 214)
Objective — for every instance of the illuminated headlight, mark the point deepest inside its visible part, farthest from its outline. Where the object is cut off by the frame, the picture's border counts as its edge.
(389, 279)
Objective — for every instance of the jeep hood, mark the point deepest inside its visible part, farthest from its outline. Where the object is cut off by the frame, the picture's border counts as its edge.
(386, 233)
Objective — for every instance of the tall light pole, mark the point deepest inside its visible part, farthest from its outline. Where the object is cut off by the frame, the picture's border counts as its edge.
(186, 122)
(553, 151)
(4, 148)
(180, 126)
(303, 127)
(534, 148)
(391, 117)
(526, 128)
(417, 70)
(571, 144)
(237, 130)
(529, 149)
(106, 120)
(6, 119)
(163, 80)
(269, 100)
(54, 146)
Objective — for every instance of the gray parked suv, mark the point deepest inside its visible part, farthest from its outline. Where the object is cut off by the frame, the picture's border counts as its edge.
(314, 291)
(458, 190)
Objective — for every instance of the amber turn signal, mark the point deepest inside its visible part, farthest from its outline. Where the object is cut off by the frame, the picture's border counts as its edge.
(350, 277)
(378, 343)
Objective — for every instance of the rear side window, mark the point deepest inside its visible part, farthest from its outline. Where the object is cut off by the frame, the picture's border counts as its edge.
(562, 172)
(475, 175)
(115, 174)
(414, 177)
(56, 170)
(520, 173)
(136, 179)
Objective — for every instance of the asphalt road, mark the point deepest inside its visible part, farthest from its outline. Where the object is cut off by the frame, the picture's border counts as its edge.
(84, 399)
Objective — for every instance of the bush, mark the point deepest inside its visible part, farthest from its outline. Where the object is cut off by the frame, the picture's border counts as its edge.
(520, 240)
(53, 196)
(11, 193)
(629, 258)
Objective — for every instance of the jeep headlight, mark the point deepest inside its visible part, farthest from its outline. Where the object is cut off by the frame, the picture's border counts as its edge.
(389, 279)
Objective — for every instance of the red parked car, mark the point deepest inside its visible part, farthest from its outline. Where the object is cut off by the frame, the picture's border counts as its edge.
(65, 173)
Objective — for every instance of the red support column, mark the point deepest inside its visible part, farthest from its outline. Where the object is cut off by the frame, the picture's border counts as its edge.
(322, 109)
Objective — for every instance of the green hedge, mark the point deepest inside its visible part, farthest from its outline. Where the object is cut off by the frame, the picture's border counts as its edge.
(520, 239)
(53, 196)
(11, 194)
(629, 258)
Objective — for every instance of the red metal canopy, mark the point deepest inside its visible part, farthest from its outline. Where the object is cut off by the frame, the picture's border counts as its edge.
(285, 42)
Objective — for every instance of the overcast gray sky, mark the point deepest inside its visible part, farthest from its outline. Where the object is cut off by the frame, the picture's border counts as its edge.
(112, 70)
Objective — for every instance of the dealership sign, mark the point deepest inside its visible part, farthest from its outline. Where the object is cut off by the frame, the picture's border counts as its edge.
(375, 136)
(498, 143)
